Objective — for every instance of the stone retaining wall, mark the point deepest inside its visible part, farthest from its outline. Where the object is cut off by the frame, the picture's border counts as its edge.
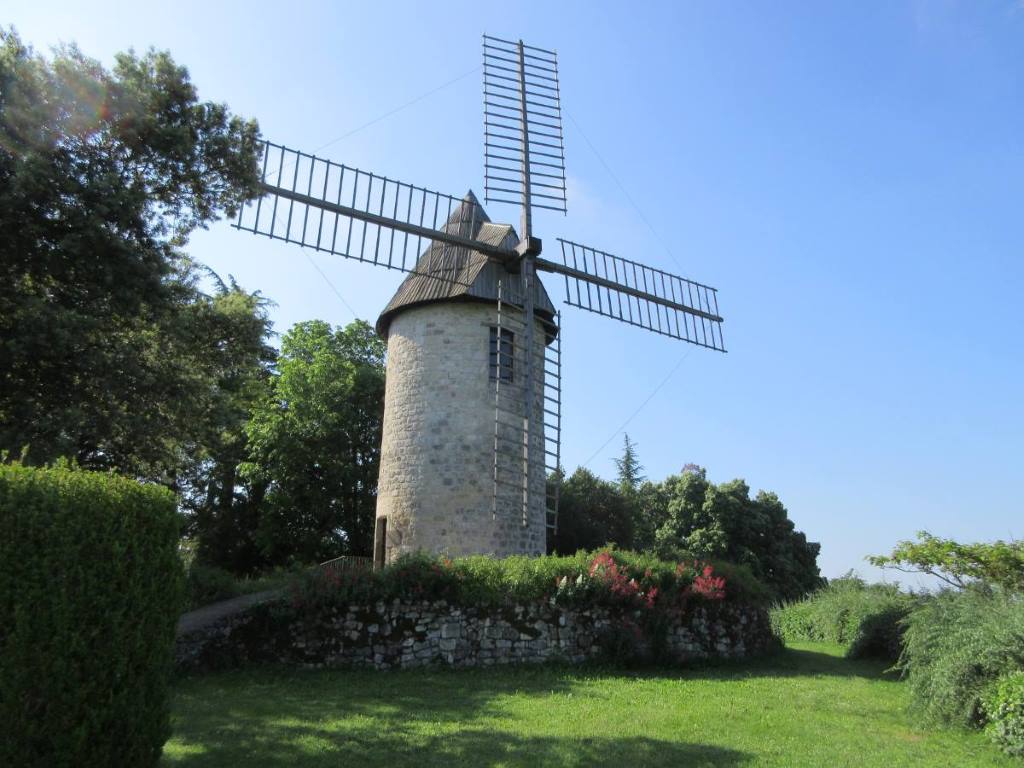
(414, 634)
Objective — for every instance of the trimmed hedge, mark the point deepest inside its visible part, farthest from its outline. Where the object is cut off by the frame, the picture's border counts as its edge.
(867, 619)
(90, 592)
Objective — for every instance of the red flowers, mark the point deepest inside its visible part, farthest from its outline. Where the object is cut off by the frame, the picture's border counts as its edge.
(694, 579)
(707, 585)
(604, 568)
(618, 581)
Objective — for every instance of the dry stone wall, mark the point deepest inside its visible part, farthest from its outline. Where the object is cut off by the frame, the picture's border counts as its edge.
(404, 634)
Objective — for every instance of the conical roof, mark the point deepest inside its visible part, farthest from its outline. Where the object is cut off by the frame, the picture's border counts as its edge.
(454, 273)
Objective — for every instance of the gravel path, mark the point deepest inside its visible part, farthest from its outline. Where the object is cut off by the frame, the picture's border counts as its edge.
(208, 614)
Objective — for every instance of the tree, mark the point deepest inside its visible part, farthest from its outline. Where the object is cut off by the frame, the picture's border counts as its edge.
(708, 520)
(591, 513)
(630, 469)
(103, 174)
(998, 563)
(314, 444)
(221, 507)
(630, 480)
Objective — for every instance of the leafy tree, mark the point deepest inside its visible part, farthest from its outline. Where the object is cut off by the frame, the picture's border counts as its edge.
(314, 444)
(221, 507)
(104, 351)
(649, 509)
(591, 513)
(708, 520)
(998, 563)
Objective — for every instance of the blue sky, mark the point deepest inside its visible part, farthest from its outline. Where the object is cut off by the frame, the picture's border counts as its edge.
(849, 175)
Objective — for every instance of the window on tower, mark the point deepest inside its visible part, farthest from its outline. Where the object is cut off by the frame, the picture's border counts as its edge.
(502, 357)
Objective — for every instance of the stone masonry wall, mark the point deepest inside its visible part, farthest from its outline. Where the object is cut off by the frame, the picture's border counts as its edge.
(414, 634)
(436, 485)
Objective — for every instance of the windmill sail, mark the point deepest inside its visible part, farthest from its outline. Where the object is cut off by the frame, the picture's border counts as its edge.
(639, 295)
(524, 150)
(337, 209)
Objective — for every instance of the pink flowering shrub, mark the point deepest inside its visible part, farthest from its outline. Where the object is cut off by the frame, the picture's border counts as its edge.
(609, 581)
(706, 584)
(608, 577)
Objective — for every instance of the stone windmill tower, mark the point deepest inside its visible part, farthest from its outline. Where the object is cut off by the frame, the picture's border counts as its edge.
(472, 415)
(453, 346)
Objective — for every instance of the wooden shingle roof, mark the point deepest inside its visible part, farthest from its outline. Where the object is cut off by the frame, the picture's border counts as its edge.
(452, 273)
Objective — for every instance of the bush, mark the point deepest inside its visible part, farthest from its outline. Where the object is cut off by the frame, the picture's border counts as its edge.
(957, 645)
(602, 578)
(90, 591)
(867, 619)
(205, 584)
(1004, 710)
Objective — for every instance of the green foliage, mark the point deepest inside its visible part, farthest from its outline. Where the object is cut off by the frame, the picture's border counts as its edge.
(206, 584)
(955, 645)
(650, 509)
(1004, 709)
(866, 619)
(489, 582)
(90, 592)
(591, 513)
(630, 469)
(998, 563)
(314, 444)
(221, 507)
(722, 521)
(686, 516)
(110, 353)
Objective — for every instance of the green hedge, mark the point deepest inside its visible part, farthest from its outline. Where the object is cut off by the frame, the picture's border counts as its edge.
(90, 591)
(867, 619)
(486, 581)
(956, 646)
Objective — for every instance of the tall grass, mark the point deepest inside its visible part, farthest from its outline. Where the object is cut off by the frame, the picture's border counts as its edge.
(867, 619)
(956, 646)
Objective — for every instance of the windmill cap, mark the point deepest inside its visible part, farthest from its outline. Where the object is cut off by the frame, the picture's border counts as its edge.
(446, 273)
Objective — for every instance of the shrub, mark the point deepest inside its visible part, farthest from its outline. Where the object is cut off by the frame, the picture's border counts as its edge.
(867, 619)
(955, 646)
(1004, 709)
(602, 578)
(205, 584)
(90, 591)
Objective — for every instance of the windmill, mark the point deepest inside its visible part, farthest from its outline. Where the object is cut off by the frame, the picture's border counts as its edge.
(472, 415)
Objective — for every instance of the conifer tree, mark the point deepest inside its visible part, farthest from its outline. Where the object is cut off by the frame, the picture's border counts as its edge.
(630, 468)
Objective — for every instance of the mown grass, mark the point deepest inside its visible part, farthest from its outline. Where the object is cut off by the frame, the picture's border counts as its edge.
(806, 706)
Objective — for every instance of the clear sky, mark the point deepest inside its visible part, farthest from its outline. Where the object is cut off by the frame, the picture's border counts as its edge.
(849, 175)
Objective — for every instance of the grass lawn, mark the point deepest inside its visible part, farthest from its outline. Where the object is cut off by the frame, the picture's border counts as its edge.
(805, 707)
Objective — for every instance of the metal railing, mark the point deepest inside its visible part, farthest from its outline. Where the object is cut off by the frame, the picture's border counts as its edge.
(347, 564)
